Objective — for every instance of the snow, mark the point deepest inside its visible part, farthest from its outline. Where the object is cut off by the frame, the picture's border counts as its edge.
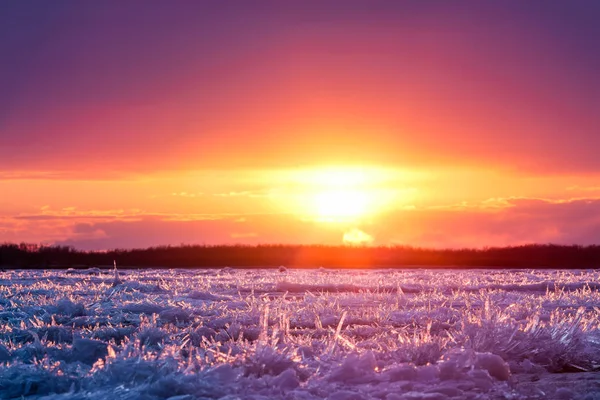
(175, 315)
(89, 351)
(142, 308)
(198, 295)
(299, 334)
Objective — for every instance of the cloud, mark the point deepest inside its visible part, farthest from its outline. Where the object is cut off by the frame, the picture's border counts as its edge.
(497, 222)
(84, 228)
(48, 217)
(154, 232)
(246, 193)
(584, 188)
(71, 213)
(356, 236)
(520, 221)
(244, 235)
(77, 173)
(186, 194)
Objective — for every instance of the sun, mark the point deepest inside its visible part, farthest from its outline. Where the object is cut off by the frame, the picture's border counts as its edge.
(343, 194)
(340, 194)
(341, 203)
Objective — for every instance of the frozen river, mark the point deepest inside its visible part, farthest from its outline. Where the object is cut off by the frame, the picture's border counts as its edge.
(300, 334)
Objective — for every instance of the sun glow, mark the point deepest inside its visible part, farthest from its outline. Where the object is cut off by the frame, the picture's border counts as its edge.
(341, 194)
(341, 203)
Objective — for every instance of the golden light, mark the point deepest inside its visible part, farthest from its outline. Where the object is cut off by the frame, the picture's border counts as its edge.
(341, 203)
(341, 177)
(342, 194)
(357, 237)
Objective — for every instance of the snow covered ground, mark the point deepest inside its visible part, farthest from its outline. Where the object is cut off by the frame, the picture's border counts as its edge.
(300, 334)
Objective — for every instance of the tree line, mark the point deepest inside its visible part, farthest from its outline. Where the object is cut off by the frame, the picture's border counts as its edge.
(25, 255)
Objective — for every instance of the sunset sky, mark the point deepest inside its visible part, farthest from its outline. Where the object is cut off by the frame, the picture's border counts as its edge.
(426, 123)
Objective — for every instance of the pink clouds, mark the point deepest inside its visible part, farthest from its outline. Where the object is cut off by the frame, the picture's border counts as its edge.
(519, 221)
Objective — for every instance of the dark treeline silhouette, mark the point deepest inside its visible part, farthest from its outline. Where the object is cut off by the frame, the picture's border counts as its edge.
(528, 256)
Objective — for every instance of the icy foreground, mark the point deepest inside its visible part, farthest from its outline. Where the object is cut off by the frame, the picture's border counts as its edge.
(300, 334)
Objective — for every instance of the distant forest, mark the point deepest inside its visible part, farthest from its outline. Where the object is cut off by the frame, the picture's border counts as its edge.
(186, 256)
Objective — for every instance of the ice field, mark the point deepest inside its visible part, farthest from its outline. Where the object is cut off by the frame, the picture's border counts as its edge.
(300, 334)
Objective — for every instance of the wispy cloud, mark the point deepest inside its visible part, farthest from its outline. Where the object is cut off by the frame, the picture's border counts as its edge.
(246, 235)
(357, 236)
(76, 174)
(503, 221)
(72, 213)
(186, 194)
(247, 193)
(518, 221)
(584, 188)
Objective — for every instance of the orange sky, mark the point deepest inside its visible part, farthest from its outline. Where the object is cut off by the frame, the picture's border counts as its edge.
(419, 123)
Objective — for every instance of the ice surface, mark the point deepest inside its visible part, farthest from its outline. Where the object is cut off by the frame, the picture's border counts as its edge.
(142, 308)
(175, 314)
(198, 295)
(89, 351)
(300, 334)
(4, 353)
